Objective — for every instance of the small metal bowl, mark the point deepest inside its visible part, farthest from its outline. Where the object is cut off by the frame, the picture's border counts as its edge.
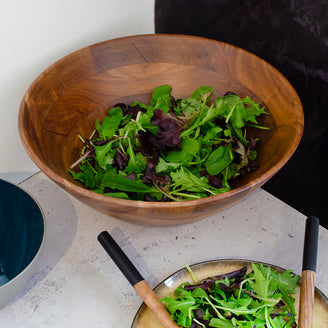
(22, 235)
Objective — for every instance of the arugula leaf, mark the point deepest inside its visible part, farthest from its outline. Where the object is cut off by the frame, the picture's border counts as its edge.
(285, 282)
(137, 162)
(261, 282)
(252, 110)
(180, 307)
(238, 306)
(185, 180)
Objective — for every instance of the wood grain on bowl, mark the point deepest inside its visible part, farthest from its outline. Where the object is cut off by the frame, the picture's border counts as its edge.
(66, 100)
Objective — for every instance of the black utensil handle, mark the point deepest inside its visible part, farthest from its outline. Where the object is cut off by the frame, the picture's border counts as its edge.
(310, 247)
(119, 258)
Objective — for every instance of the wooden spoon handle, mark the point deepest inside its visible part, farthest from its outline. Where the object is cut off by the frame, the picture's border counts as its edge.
(310, 250)
(136, 280)
(306, 299)
(151, 300)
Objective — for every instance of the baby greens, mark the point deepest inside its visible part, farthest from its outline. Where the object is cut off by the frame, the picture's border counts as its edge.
(262, 299)
(171, 149)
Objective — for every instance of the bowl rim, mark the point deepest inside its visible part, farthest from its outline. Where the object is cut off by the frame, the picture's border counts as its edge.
(76, 189)
(220, 260)
(41, 246)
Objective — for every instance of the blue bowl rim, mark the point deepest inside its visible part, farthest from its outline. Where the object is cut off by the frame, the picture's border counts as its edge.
(11, 281)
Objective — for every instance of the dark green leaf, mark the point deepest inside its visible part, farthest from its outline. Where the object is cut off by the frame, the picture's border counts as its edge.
(184, 140)
(119, 182)
(219, 159)
(137, 162)
(89, 175)
(180, 307)
(161, 98)
(202, 93)
(78, 176)
(105, 154)
(190, 106)
(221, 323)
(164, 166)
(121, 195)
(110, 123)
(190, 182)
(212, 133)
(252, 110)
(189, 149)
(198, 292)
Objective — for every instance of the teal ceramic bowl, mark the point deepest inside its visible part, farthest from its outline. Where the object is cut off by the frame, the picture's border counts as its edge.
(22, 234)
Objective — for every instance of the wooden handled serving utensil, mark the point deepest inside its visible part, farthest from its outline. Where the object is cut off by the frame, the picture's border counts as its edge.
(310, 249)
(136, 280)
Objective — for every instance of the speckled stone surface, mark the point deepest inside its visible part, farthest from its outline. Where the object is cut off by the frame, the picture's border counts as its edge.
(77, 285)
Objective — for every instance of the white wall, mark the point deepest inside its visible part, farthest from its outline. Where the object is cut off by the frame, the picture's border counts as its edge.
(36, 33)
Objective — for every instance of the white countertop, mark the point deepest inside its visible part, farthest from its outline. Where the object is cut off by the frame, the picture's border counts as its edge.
(77, 285)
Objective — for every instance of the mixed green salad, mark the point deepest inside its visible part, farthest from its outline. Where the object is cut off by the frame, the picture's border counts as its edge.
(170, 149)
(260, 299)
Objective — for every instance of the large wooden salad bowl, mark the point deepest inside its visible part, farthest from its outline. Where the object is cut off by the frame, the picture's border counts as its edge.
(66, 100)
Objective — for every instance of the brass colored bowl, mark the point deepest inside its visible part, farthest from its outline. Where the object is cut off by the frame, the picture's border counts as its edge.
(145, 319)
